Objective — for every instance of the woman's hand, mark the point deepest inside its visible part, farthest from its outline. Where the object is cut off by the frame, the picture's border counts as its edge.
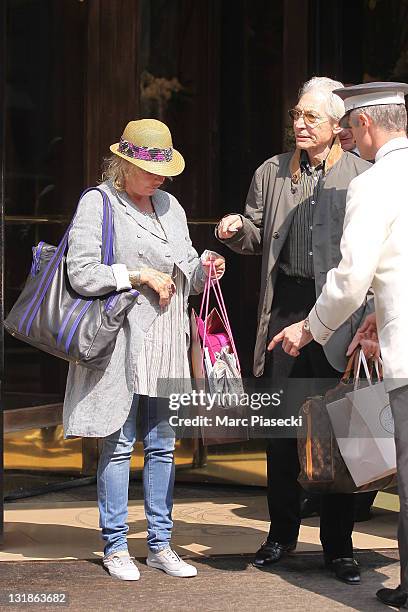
(228, 226)
(160, 282)
(214, 262)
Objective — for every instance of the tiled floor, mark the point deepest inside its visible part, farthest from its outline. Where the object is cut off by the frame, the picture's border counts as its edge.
(229, 524)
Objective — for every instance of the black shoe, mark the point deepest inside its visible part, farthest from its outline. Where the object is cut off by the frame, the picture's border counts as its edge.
(310, 506)
(393, 597)
(271, 552)
(346, 569)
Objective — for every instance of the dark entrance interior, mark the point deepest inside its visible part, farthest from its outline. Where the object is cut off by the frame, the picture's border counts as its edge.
(222, 76)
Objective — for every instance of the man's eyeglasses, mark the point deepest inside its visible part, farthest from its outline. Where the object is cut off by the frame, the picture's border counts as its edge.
(309, 117)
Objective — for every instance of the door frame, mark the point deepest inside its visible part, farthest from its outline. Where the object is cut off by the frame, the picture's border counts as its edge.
(2, 203)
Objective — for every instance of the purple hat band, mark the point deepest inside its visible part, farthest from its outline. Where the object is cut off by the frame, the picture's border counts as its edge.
(144, 153)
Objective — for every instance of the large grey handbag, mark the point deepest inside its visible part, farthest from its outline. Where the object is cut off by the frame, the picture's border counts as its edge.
(51, 316)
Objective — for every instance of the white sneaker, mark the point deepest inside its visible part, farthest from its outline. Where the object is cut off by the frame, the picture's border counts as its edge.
(120, 565)
(169, 561)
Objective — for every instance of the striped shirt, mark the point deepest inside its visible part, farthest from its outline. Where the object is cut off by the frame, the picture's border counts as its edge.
(297, 253)
(162, 365)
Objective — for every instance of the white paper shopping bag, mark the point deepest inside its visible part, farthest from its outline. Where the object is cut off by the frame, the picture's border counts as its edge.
(346, 428)
(369, 451)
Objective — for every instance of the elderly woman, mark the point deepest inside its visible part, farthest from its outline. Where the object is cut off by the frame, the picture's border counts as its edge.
(153, 253)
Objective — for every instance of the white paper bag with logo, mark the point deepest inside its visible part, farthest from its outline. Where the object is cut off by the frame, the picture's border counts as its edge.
(365, 434)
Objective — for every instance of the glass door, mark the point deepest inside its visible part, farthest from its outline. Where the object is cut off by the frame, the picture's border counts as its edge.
(43, 176)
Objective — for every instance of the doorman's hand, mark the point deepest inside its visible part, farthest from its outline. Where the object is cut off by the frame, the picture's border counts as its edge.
(367, 332)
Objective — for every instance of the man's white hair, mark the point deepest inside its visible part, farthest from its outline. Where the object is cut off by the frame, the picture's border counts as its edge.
(325, 86)
(388, 117)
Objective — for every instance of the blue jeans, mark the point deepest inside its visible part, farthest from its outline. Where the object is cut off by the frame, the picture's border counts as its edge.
(158, 476)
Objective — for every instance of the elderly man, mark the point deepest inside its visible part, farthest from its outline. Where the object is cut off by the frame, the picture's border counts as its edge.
(374, 251)
(294, 217)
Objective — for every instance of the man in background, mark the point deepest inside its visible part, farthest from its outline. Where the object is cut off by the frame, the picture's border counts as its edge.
(294, 217)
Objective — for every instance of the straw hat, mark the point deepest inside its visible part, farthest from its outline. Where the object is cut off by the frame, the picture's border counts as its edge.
(147, 143)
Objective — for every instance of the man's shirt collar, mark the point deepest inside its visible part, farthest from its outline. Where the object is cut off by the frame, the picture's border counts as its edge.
(335, 154)
(395, 143)
(305, 163)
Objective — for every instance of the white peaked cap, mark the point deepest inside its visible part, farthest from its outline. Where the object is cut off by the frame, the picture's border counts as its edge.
(371, 94)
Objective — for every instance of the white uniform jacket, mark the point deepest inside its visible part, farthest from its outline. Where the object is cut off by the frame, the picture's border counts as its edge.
(374, 249)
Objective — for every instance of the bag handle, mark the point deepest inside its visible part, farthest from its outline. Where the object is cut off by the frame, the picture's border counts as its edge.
(354, 365)
(205, 300)
(378, 365)
(53, 264)
(351, 367)
(215, 286)
(362, 360)
(379, 368)
(107, 226)
(220, 300)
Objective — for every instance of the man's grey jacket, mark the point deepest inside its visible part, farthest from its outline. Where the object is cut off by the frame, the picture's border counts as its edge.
(271, 202)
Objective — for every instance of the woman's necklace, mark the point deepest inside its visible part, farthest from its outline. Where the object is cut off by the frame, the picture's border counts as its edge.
(152, 215)
(146, 209)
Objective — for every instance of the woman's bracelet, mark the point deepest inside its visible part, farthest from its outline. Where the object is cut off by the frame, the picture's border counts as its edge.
(135, 278)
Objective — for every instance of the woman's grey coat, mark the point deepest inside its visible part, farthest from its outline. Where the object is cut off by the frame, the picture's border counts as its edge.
(97, 403)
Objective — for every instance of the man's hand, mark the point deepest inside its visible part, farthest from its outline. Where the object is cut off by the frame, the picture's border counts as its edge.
(228, 226)
(293, 338)
(366, 337)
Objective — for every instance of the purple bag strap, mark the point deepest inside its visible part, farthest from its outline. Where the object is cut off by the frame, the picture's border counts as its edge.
(49, 272)
(107, 226)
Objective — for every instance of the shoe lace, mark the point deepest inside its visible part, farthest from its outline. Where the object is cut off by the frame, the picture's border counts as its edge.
(123, 560)
(172, 555)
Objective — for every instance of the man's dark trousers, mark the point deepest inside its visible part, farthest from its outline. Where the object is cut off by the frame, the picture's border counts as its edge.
(399, 407)
(292, 302)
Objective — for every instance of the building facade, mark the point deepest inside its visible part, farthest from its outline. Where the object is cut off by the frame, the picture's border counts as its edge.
(222, 76)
